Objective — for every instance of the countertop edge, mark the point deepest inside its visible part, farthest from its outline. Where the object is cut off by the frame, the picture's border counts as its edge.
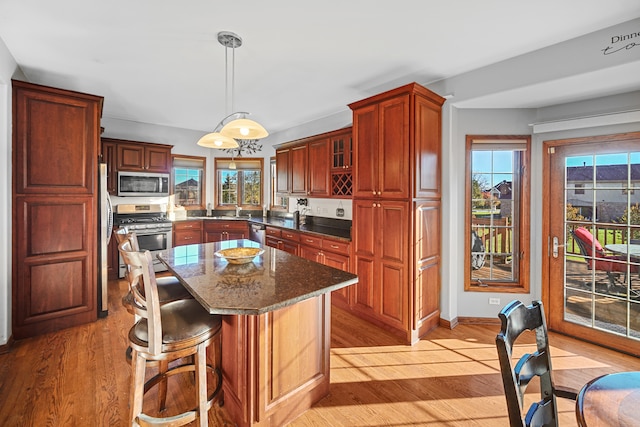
(281, 223)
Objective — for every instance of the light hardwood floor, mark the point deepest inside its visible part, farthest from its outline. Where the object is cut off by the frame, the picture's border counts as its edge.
(80, 377)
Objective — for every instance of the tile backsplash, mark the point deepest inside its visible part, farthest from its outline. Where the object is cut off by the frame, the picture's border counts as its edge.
(325, 208)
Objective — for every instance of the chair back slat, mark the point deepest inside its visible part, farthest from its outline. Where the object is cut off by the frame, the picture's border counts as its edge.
(141, 264)
(516, 318)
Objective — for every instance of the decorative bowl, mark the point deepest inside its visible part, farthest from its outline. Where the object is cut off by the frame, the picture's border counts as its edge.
(239, 255)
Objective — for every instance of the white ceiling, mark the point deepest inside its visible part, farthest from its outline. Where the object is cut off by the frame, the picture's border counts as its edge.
(159, 61)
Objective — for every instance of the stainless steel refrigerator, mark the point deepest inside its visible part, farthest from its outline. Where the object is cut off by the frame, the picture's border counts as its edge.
(104, 235)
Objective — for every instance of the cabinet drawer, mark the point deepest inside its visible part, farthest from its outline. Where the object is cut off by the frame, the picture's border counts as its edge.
(187, 225)
(290, 235)
(335, 246)
(311, 240)
(187, 237)
(212, 225)
(273, 231)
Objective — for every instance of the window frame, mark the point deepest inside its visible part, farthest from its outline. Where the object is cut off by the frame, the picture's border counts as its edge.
(203, 196)
(219, 162)
(521, 283)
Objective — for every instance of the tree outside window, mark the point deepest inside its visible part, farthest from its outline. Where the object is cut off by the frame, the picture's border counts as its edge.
(241, 186)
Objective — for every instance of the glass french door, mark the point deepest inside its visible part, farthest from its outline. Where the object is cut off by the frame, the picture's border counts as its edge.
(594, 240)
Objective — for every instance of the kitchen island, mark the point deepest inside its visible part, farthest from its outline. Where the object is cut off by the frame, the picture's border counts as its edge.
(276, 326)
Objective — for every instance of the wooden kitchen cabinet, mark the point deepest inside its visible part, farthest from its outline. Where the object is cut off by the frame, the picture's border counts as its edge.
(133, 156)
(305, 167)
(291, 167)
(319, 175)
(341, 164)
(331, 252)
(56, 134)
(219, 230)
(396, 188)
(382, 154)
(283, 239)
(187, 232)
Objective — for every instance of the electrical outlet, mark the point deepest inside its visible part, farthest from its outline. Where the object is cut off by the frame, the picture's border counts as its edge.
(494, 301)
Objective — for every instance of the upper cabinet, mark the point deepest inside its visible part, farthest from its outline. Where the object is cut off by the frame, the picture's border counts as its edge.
(317, 166)
(382, 153)
(123, 155)
(341, 144)
(319, 171)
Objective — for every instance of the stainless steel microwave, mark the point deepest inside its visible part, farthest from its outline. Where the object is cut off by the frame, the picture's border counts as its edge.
(143, 184)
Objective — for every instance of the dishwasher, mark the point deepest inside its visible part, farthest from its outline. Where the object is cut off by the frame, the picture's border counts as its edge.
(257, 232)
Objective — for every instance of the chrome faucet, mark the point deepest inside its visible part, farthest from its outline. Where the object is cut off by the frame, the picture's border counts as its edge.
(238, 209)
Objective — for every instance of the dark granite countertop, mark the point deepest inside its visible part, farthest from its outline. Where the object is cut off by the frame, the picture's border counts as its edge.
(317, 227)
(273, 280)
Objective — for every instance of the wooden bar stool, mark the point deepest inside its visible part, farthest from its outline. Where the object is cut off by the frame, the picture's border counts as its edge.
(167, 333)
(169, 287)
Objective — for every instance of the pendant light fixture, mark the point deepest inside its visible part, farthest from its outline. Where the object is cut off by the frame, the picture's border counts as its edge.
(235, 126)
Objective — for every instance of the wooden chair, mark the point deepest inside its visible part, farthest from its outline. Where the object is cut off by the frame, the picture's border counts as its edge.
(169, 287)
(169, 332)
(517, 318)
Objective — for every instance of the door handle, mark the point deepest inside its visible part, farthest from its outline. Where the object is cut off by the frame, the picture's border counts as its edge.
(555, 247)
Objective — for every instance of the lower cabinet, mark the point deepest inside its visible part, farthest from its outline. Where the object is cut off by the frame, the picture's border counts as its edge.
(187, 232)
(219, 230)
(334, 253)
(382, 261)
(285, 240)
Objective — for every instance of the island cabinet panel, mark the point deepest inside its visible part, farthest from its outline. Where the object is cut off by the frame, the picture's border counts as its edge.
(54, 208)
(286, 376)
(396, 188)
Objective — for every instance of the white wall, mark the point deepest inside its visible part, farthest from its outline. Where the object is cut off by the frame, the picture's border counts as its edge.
(8, 70)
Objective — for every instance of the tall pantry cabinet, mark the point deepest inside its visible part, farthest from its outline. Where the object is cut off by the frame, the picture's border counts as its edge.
(55, 202)
(397, 210)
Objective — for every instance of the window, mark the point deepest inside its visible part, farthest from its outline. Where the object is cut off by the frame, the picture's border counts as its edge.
(579, 189)
(497, 213)
(188, 181)
(238, 182)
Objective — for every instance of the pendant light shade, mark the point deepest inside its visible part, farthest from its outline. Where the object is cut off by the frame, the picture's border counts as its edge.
(244, 129)
(217, 140)
(224, 135)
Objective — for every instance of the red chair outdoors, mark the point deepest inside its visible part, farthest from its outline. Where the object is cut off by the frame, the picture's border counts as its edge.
(600, 260)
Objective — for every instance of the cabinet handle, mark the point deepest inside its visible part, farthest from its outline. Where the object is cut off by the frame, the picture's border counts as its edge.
(379, 193)
(188, 238)
(374, 192)
(308, 240)
(335, 246)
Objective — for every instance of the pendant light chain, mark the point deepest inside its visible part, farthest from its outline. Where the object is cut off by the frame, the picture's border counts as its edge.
(227, 133)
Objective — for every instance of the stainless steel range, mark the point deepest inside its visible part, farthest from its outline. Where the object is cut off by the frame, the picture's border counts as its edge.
(152, 227)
